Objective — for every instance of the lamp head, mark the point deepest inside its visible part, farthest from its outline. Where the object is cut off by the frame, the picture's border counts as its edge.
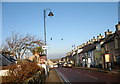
(50, 14)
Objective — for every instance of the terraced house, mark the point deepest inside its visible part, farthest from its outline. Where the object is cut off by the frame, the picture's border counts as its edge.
(101, 52)
(111, 49)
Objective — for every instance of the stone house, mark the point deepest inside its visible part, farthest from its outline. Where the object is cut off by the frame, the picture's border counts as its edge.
(117, 44)
(88, 55)
(111, 49)
(97, 51)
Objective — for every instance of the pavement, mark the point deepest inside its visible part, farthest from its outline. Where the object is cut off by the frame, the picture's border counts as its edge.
(53, 78)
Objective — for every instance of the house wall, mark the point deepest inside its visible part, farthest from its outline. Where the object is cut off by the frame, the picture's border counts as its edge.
(75, 59)
(109, 48)
(111, 51)
(117, 49)
(82, 55)
(86, 58)
(80, 61)
(90, 59)
(4, 72)
(98, 58)
(103, 57)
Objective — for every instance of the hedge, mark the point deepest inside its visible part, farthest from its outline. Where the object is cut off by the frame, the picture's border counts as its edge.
(22, 72)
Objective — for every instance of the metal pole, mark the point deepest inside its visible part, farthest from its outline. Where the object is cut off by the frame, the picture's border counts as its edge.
(45, 26)
(45, 31)
(50, 14)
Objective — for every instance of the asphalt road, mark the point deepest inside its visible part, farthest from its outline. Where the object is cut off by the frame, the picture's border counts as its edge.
(73, 75)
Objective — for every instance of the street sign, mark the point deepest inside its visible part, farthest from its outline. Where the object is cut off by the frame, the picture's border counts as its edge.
(44, 47)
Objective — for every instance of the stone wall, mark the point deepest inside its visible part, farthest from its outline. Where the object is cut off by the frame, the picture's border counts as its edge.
(39, 77)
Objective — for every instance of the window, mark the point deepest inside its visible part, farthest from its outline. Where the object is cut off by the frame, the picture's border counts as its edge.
(98, 47)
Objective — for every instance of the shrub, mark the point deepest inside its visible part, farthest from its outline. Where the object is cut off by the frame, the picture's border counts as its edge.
(21, 71)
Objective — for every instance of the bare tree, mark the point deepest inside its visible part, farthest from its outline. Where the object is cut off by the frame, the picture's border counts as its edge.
(17, 44)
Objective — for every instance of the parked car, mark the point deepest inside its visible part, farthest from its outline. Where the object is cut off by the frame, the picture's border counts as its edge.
(64, 64)
(69, 65)
(55, 66)
(50, 66)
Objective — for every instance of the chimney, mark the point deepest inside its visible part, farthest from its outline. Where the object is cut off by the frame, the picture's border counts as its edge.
(93, 40)
(99, 37)
(79, 47)
(118, 26)
(84, 44)
(89, 42)
(107, 33)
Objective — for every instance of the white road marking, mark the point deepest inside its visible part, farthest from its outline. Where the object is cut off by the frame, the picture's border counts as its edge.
(91, 76)
(65, 79)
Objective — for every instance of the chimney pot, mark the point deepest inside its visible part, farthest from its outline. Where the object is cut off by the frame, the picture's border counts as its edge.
(108, 32)
(99, 37)
(93, 40)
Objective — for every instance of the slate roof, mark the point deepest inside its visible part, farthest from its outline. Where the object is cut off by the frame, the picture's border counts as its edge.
(111, 37)
(89, 48)
(5, 60)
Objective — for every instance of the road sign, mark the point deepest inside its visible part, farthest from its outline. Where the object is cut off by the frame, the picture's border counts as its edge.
(44, 47)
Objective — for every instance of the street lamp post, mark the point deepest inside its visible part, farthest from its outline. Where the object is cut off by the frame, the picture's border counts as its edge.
(50, 14)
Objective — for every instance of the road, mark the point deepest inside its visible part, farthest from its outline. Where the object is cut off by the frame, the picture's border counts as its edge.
(74, 75)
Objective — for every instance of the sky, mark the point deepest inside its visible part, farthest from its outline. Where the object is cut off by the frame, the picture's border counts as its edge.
(59, 0)
(75, 22)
